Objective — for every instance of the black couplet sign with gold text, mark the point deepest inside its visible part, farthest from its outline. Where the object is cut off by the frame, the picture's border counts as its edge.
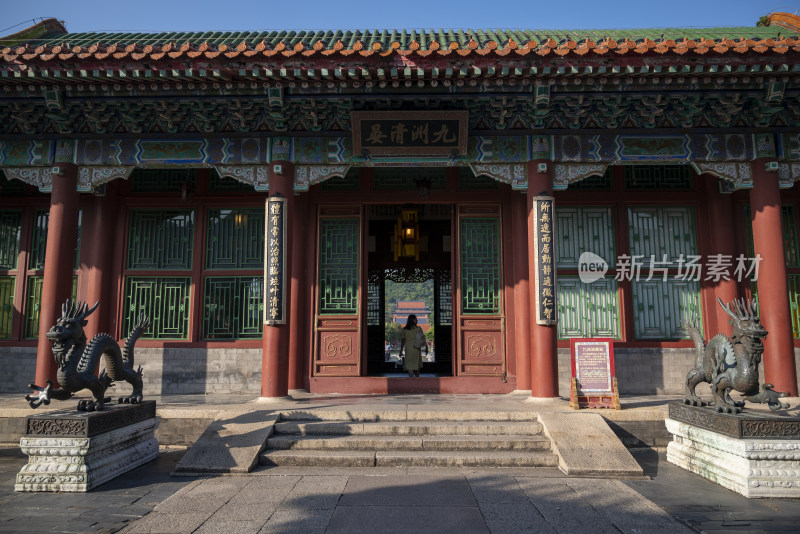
(544, 254)
(275, 262)
(407, 133)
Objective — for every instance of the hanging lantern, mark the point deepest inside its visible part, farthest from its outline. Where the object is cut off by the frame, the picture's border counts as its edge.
(406, 236)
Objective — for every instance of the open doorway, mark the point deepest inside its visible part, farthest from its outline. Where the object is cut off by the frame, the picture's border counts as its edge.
(418, 283)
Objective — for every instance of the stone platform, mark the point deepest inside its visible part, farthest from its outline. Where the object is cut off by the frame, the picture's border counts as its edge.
(71, 451)
(754, 454)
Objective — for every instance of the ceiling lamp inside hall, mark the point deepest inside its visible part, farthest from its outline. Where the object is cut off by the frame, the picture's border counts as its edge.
(406, 235)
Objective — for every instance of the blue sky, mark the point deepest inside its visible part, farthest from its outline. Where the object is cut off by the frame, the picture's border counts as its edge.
(200, 15)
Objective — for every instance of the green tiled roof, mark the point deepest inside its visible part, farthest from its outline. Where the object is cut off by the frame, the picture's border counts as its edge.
(404, 37)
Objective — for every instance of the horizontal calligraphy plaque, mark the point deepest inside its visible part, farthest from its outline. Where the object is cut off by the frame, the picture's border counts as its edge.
(409, 133)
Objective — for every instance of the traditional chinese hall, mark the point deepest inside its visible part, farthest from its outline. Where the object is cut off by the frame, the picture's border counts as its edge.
(255, 193)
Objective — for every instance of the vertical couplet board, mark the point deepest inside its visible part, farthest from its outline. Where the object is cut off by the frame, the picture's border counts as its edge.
(275, 261)
(338, 316)
(594, 381)
(480, 285)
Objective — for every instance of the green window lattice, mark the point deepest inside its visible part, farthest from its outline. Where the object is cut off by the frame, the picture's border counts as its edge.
(580, 230)
(480, 265)
(235, 239)
(39, 241)
(671, 177)
(164, 300)
(660, 307)
(587, 310)
(338, 272)
(160, 239)
(658, 231)
(33, 304)
(6, 306)
(10, 231)
(233, 307)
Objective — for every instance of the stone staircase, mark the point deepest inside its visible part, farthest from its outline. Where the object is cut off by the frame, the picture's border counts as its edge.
(408, 439)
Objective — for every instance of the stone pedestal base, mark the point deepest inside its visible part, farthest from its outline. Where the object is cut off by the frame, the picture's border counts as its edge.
(753, 467)
(71, 452)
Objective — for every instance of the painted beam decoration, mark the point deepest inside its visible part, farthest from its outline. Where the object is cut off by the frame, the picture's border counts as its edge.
(442, 133)
(275, 262)
(544, 242)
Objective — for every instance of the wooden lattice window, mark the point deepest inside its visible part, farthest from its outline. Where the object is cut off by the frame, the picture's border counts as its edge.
(160, 239)
(338, 271)
(235, 239)
(33, 304)
(6, 306)
(165, 300)
(480, 265)
(666, 239)
(586, 309)
(233, 307)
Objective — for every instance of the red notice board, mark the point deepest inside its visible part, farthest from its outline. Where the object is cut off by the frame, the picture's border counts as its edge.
(594, 381)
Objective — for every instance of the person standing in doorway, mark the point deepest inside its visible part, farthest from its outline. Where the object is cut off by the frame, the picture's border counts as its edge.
(412, 340)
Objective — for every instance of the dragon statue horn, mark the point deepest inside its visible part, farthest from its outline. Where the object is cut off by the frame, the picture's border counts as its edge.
(727, 308)
(86, 311)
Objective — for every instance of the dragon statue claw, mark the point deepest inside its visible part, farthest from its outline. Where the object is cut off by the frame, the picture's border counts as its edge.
(731, 364)
(43, 397)
(77, 360)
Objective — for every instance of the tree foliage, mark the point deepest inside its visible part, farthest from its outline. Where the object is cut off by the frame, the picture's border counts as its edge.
(392, 332)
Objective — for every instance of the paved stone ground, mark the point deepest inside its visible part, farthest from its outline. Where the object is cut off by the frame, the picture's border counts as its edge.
(707, 507)
(106, 508)
(307, 500)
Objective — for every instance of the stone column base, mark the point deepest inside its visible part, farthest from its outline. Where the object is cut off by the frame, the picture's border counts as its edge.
(74, 463)
(753, 467)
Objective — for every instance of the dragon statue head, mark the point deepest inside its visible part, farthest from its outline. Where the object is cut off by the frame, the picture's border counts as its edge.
(747, 327)
(67, 334)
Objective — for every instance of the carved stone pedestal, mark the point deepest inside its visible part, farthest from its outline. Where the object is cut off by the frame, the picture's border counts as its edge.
(74, 452)
(751, 454)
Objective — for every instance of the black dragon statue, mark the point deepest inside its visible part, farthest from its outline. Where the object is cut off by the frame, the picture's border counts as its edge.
(77, 361)
(732, 363)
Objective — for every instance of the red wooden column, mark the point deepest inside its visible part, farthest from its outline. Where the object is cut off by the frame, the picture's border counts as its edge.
(275, 356)
(773, 294)
(297, 310)
(59, 261)
(544, 353)
(522, 295)
(98, 245)
(721, 240)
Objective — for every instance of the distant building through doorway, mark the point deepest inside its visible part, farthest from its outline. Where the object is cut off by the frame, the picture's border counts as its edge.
(403, 308)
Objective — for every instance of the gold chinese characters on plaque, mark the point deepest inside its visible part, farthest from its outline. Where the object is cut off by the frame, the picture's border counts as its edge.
(544, 254)
(410, 133)
(275, 262)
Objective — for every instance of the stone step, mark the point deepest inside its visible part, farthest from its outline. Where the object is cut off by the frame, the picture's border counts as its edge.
(410, 428)
(403, 415)
(338, 458)
(407, 443)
